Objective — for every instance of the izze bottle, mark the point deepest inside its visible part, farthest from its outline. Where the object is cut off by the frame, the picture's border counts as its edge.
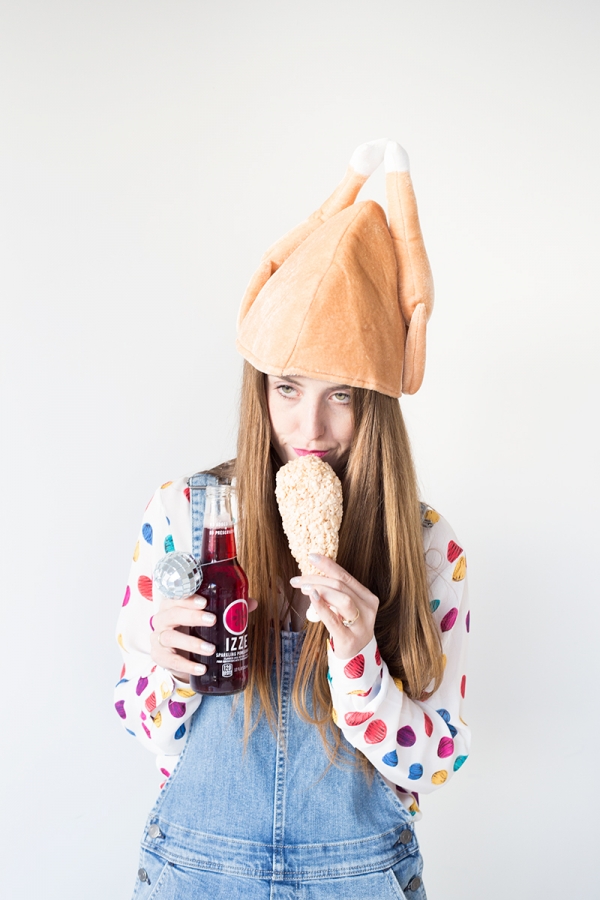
(225, 586)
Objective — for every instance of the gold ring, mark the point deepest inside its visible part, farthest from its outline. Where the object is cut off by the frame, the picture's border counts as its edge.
(160, 634)
(349, 622)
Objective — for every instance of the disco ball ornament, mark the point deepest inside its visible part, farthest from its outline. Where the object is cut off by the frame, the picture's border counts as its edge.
(177, 575)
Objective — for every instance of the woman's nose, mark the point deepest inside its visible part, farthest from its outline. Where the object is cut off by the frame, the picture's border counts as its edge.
(312, 424)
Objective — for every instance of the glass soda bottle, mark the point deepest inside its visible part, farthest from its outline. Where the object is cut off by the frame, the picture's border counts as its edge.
(225, 586)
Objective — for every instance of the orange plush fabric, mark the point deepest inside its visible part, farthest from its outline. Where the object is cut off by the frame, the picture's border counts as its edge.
(333, 299)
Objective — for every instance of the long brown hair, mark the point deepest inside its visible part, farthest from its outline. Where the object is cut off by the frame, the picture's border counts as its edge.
(380, 545)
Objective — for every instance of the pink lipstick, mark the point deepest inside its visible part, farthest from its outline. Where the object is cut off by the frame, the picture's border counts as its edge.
(319, 453)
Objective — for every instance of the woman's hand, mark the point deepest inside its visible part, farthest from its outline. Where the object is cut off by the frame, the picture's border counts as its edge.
(351, 600)
(171, 639)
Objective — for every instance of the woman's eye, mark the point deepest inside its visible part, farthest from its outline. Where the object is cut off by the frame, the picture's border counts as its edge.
(286, 389)
(342, 397)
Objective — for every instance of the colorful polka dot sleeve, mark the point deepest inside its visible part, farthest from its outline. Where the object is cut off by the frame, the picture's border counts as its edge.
(153, 705)
(417, 745)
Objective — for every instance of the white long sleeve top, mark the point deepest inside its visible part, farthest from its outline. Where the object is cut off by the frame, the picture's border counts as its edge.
(416, 745)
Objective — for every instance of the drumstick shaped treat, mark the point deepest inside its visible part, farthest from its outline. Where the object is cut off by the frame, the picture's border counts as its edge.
(309, 496)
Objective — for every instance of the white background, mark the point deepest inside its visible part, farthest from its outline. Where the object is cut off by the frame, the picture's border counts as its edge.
(149, 153)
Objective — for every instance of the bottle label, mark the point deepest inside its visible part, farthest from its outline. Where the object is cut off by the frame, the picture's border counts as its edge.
(235, 617)
(233, 651)
(235, 648)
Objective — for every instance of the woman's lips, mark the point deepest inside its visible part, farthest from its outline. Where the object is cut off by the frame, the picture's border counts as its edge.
(319, 453)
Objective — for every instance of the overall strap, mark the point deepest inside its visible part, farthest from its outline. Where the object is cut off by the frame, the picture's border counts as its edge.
(197, 484)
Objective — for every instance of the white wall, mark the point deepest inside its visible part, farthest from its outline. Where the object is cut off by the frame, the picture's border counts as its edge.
(149, 153)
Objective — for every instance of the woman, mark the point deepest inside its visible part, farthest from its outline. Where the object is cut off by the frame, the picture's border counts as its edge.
(309, 788)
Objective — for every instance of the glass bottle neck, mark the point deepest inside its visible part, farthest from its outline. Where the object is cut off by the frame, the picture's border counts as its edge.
(218, 539)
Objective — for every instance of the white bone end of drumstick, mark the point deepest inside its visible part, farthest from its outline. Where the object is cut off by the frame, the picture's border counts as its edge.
(367, 157)
(396, 158)
(313, 616)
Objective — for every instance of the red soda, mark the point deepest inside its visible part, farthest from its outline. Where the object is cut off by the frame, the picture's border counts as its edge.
(225, 586)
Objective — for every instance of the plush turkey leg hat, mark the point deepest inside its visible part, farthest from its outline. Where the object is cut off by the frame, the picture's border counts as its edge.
(345, 297)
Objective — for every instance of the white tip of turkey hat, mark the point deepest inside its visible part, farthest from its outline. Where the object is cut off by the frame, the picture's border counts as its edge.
(367, 157)
(396, 158)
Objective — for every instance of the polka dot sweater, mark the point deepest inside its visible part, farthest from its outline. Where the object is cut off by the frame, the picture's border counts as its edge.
(417, 745)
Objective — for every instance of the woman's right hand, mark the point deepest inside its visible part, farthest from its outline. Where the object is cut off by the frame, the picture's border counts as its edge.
(170, 639)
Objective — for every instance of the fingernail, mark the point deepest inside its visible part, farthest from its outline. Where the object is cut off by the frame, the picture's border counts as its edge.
(208, 619)
(199, 669)
(199, 601)
(314, 557)
(314, 595)
(295, 581)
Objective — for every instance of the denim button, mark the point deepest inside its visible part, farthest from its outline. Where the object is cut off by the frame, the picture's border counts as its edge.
(143, 875)
(154, 831)
(414, 884)
(405, 836)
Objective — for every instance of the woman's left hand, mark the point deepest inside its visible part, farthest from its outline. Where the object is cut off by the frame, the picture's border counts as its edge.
(353, 602)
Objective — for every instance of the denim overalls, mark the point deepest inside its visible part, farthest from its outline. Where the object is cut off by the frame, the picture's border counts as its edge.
(275, 823)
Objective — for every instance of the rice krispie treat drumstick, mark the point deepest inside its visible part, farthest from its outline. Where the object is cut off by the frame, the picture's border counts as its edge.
(309, 496)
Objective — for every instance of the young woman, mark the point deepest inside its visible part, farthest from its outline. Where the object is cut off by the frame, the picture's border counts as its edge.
(308, 787)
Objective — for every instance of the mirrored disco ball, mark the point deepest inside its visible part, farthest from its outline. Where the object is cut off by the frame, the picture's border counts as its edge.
(177, 575)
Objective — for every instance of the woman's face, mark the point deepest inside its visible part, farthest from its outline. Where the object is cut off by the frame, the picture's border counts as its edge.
(310, 416)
